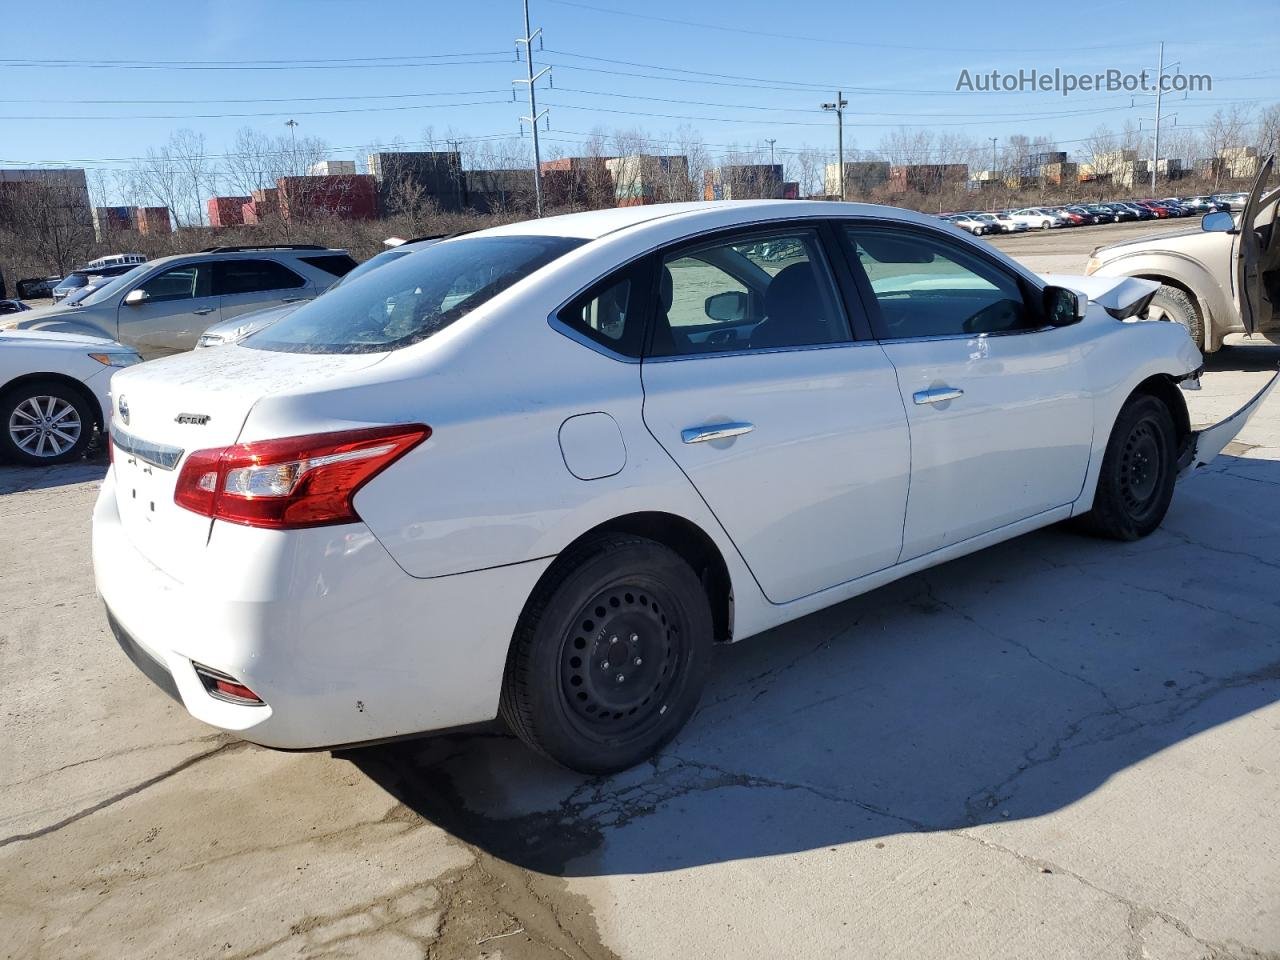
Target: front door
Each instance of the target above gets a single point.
(179, 304)
(1001, 422)
(791, 431)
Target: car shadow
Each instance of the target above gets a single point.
(21, 479)
(1007, 684)
(1244, 357)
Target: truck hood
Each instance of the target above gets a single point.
(1122, 297)
(1173, 240)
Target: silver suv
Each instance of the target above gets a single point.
(1220, 278)
(163, 306)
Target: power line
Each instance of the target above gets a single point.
(774, 35)
(269, 113)
(107, 65)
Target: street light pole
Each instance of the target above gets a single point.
(838, 106)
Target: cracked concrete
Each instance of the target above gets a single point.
(1055, 748)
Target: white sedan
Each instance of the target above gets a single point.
(539, 470)
(53, 393)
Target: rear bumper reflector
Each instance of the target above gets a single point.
(221, 686)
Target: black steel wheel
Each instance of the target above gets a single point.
(610, 656)
(1139, 468)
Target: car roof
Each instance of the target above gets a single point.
(242, 252)
(594, 224)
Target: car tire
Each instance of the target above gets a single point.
(44, 422)
(1139, 468)
(1175, 304)
(610, 656)
(1045, 225)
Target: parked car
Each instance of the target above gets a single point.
(1101, 212)
(970, 223)
(12, 306)
(95, 279)
(1038, 218)
(539, 470)
(1204, 204)
(237, 328)
(53, 393)
(1218, 279)
(1138, 210)
(163, 306)
(36, 288)
(1001, 223)
(1232, 201)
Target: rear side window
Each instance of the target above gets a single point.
(252, 276)
(610, 314)
(337, 264)
(409, 300)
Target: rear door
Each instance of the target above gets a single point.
(248, 284)
(178, 306)
(1256, 265)
(1001, 421)
(790, 429)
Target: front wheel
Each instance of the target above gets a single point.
(1045, 225)
(1173, 304)
(610, 656)
(1135, 485)
(44, 422)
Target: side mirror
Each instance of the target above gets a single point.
(1220, 222)
(1062, 307)
(726, 307)
(135, 297)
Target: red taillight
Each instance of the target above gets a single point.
(294, 482)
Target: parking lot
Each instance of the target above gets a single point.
(1057, 747)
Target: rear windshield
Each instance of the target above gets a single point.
(409, 300)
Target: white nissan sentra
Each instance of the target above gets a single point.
(537, 471)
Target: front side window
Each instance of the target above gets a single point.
(413, 298)
(926, 287)
(252, 276)
(179, 283)
(753, 293)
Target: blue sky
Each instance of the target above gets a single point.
(448, 67)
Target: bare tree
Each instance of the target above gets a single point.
(47, 216)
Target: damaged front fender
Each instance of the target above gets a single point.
(1203, 445)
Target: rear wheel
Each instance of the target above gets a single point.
(610, 656)
(44, 422)
(1045, 225)
(1135, 485)
(1174, 304)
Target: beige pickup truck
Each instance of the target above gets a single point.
(1220, 279)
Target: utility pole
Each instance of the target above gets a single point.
(293, 139)
(771, 142)
(1155, 150)
(838, 106)
(993, 154)
(534, 116)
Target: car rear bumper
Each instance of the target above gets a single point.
(339, 642)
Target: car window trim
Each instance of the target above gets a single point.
(745, 231)
(168, 269)
(873, 304)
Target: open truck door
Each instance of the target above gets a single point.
(1257, 265)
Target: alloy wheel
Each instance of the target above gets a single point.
(45, 426)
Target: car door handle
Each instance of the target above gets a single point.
(717, 431)
(202, 311)
(937, 395)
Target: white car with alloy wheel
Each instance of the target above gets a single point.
(53, 393)
(538, 471)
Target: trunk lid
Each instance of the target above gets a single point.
(163, 410)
